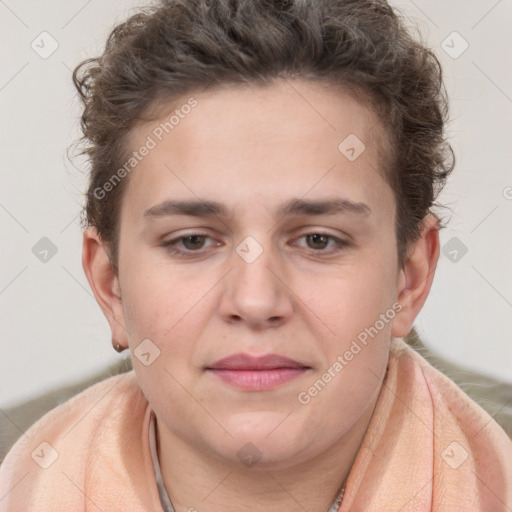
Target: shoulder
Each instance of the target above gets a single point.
(441, 388)
(91, 407)
(455, 414)
(63, 448)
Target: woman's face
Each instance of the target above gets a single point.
(264, 271)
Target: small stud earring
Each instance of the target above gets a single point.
(118, 348)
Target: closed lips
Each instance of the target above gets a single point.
(251, 363)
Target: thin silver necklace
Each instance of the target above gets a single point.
(162, 491)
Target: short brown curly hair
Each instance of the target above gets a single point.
(178, 47)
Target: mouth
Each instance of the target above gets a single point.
(257, 373)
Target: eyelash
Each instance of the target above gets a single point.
(170, 245)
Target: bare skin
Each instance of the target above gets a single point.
(305, 297)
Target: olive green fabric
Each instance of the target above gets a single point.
(493, 395)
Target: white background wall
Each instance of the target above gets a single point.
(52, 331)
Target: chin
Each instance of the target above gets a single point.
(265, 443)
(268, 456)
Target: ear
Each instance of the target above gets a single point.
(104, 284)
(416, 276)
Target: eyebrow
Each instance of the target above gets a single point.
(292, 207)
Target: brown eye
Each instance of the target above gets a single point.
(317, 241)
(193, 242)
(196, 244)
(322, 243)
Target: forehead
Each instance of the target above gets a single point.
(242, 143)
(285, 109)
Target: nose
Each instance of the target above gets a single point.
(255, 291)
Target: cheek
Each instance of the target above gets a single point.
(171, 310)
(158, 299)
(170, 319)
(156, 308)
(346, 302)
(355, 351)
(333, 405)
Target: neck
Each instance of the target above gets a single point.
(196, 481)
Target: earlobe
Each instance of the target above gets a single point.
(104, 284)
(416, 276)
